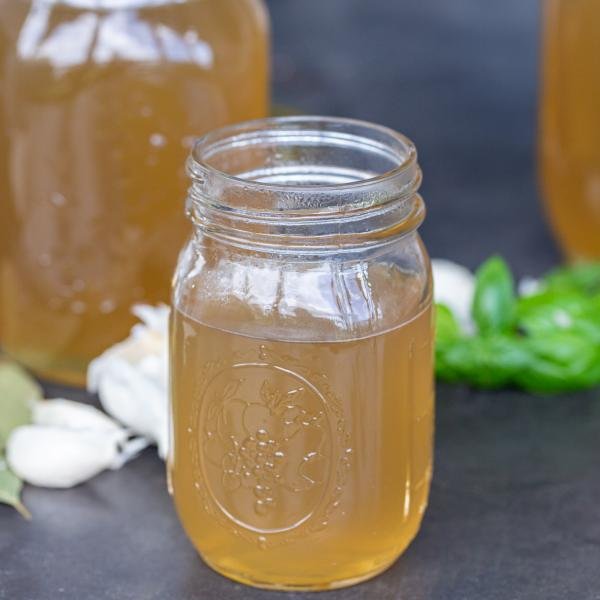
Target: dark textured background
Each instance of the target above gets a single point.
(515, 503)
(460, 78)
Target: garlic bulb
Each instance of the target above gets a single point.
(529, 286)
(73, 415)
(56, 457)
(454, 286)
(68, 443)
(131, 378)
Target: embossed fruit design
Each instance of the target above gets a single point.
(267, 444)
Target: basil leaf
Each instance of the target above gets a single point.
(583, 277)
(494, 301)
(10, 489)
(587, 329)
(591, 376)
(562, 348)
(561, 361)
(447, 328)
(487, 362)
(547, 342)
(551, 310)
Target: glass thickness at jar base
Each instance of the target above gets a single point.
(301, 465)
(367, 570)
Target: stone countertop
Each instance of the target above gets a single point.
(514, 511)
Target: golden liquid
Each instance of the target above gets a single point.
(570, 124)
(99, 109)
(301, 465)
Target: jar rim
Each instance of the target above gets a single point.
(346, 183)
(404, 149)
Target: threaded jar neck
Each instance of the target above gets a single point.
(296, 184)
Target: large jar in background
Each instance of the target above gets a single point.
(301, 353)
(570, 124)
(99, 103)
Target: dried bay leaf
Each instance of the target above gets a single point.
(18, 392)
(10, 489)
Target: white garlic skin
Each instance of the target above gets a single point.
(135, 401)
(529, 286)
(454, 286)
(60, 412)
(56, 457)
(131, 378)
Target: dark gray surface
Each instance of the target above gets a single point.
(515, 502)
(513, 515)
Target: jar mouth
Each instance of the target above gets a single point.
(318, 178)
(384, 153)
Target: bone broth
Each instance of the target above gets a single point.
(570, 124)
(301, 353)
(101, 101)
(310, 457)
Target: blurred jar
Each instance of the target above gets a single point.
(570, 124)
(100, 100)
(301, 353)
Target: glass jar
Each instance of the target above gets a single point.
(570, 124)
(301, 353)
(100, 100)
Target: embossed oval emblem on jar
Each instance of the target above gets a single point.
(271, 449)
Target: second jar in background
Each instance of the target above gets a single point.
(99, 103)
(570, 124)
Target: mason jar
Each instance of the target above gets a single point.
(569, 152)
(99, 103)
(302, 400)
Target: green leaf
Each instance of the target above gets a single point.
(554, 310)
(546, 343)
(582, 277)
(591, 376)
(487, 362)
(10, 489)
(563, 361)
(494, 301)
(18, 391)
(447, 328)
(563, 348)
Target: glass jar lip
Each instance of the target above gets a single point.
(396, 143)
(302, 183)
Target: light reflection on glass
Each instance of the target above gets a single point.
(104, 38)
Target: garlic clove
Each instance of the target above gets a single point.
(131, 378)
(154, 317)
(149, 338)
(55, 457)
(156, 369)
(454, 286)
(135, 401)
(529, 286)
(60, 412)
